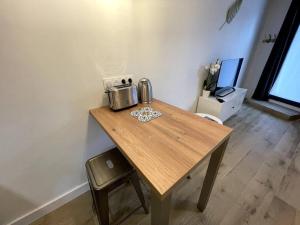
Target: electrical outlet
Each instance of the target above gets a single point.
(114, 81)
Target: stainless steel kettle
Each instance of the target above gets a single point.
(145, 91)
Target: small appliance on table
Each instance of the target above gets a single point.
(122, 96)
(145, 91)
(128, 95)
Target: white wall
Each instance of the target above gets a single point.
(271, 24)
(53, 55)
(175, 40)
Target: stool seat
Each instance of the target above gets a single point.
(107, 168)
(210, 117)
(106, 172)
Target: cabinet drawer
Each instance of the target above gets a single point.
(228, 109)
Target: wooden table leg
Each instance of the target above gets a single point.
(211, 174)
(160, 209)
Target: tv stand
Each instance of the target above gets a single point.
(224, 109)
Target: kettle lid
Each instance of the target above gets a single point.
(144, 80)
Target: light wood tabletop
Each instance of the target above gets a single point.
(165, 149)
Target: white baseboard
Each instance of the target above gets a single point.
(51, 205)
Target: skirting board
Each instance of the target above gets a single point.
(51, 205)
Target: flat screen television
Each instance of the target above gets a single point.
(225, 81)
(228, 75)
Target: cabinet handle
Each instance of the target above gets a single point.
(232, 107)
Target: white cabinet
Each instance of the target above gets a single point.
(231, 105)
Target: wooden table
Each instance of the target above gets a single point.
(165, 150)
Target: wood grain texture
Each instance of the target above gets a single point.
(258, 182)
(164, 150)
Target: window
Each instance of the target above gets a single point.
(287, 85)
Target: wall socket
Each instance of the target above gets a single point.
(114, 81)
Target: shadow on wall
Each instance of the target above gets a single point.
(202, 74)
(97, 141)
(9, 201)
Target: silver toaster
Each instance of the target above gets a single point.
(122, 96)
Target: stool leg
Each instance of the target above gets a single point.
(134, 178)
(102, 207)
(95, 209)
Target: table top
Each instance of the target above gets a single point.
(165, 149)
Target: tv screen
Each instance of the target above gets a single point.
(229, 72)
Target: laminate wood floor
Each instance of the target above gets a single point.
(258, 183)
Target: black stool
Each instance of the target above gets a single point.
(106, 172)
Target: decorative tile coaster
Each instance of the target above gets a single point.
(145, 114)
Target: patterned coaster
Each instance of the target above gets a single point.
(145, 114)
